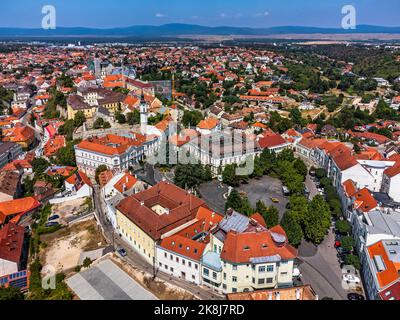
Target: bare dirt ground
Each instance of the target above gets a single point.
(68, 209)
(64, 247)
(312, 113)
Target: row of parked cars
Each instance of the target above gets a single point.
(53, 221)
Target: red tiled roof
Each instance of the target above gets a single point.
(390, 274)
(364, 200)
(111, 144)
(349, 187)
(393, 171)
(270, 141)
(184, 246)
(11, 242)
(259, 218)
(182, 206)
(208, 124)
(17, 208)
(127, 182)
(78, 180)
(241, 247)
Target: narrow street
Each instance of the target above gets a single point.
(320, 268)
(134, 259)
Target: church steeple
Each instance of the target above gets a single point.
(143, 114)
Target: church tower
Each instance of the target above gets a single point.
(143, 115)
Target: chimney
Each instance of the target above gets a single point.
(298, 296)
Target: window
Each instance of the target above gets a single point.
(172, 269)
(214, 275)
(165, 254)
(234, 279)
(160, 264)
(270, 280)
(283, 273)
(196, 266)
(177, 259)
(261, 281)
(206, 271)
(234, 267)
(171, 257)
(224, 286)
(261, 269)
(270, 268)
(254, 280)
(189, 264)
(234, 290)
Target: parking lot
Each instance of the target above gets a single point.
(263, 189)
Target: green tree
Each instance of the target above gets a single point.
(120, 118)
(270, 214)
(191, 118)
(353, 260)
(133, 117)
(229, 175)
(292, 228)
(189, 175)
(79, 119)
(300, 167)
(11, 294)
(343, 227)
(298, 208)
(66, 155)
(99, 170)
(87, 262)
(317, 220)
(107, 125)
(98, 123)
(347, 243)
(39, 165)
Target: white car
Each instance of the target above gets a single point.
(296, 273)
(349, 278)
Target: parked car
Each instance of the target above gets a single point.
(349, 278)
(355, 296)
(337, 244)
(275, 200)
(122, 252)
(55, 217)
(296, 273)
(285, 191)
(51, 224)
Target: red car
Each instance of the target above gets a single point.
(337, 244)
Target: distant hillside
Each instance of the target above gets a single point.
(176, 29)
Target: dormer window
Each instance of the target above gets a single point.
(246, 248)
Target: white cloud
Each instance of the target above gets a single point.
(262, 14)
(160, 15)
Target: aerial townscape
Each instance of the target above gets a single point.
(210, 168)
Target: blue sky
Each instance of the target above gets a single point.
(251, 13)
